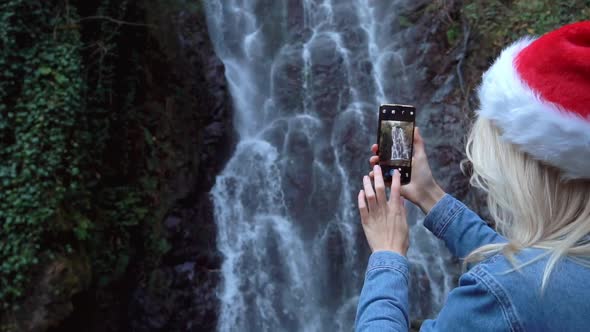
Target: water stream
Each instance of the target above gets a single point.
(306, 79)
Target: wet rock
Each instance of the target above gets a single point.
(172, 222)
(286, 80)
(51, 301)
(213, 132)
(180, 294)
(186, 269)
(445, 90)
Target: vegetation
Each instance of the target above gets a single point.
(501, 22)
(79, 169)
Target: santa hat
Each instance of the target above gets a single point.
(538, 94)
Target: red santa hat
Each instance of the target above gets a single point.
(538, 93)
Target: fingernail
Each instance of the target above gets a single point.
(376, 168)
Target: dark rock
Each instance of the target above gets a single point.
(186, 269)
(181, 293)
(51, 301)
(172, 222)
(213, 133)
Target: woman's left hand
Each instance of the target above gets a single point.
(384, 221)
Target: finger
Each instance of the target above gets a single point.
(417, 136)
(374, 148)
(370, 194)
(379, 186)
(374, 160)
(394, 195)
(363, 207)
(386, 180)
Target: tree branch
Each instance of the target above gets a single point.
(108, 18)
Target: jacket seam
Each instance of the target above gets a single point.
(449, 219)
(388, 267)
(499, 293)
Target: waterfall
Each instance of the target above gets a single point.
(306, 79)
(400, 147)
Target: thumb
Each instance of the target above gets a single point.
(418, 142)
(405, 190)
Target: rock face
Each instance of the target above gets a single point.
(185, 94)
(51, 301)
(180, 294)
(446, 105)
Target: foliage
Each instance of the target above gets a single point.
(75, 177)
(40, 98)
(453, 33)
(502, 22)
(498, 23)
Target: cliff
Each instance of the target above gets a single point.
(138, 120)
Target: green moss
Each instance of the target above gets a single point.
(78, 175)
(500, 22)
(40, 97)
(8, 327)
(453, 33)
(404, 21)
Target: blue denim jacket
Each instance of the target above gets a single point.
(491, 296)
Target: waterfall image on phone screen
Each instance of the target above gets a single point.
(399, 150)
(306, 79)
(395, 143)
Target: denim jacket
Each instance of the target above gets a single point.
(491, 296)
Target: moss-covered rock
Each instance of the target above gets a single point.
(50, 299)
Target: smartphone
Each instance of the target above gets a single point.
(396, 140)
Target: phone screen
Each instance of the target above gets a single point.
(396, 140)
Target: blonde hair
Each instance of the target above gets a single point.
(530, 203)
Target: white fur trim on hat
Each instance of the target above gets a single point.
(537, 127)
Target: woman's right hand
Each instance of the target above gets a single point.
(422, 189)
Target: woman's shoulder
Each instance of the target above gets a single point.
(516, 284)
(530, 263)
(524, 271)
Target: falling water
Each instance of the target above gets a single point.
(306, 79)
(399, 148)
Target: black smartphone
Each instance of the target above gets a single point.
(396, 140)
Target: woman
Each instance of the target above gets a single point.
(530, 152)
